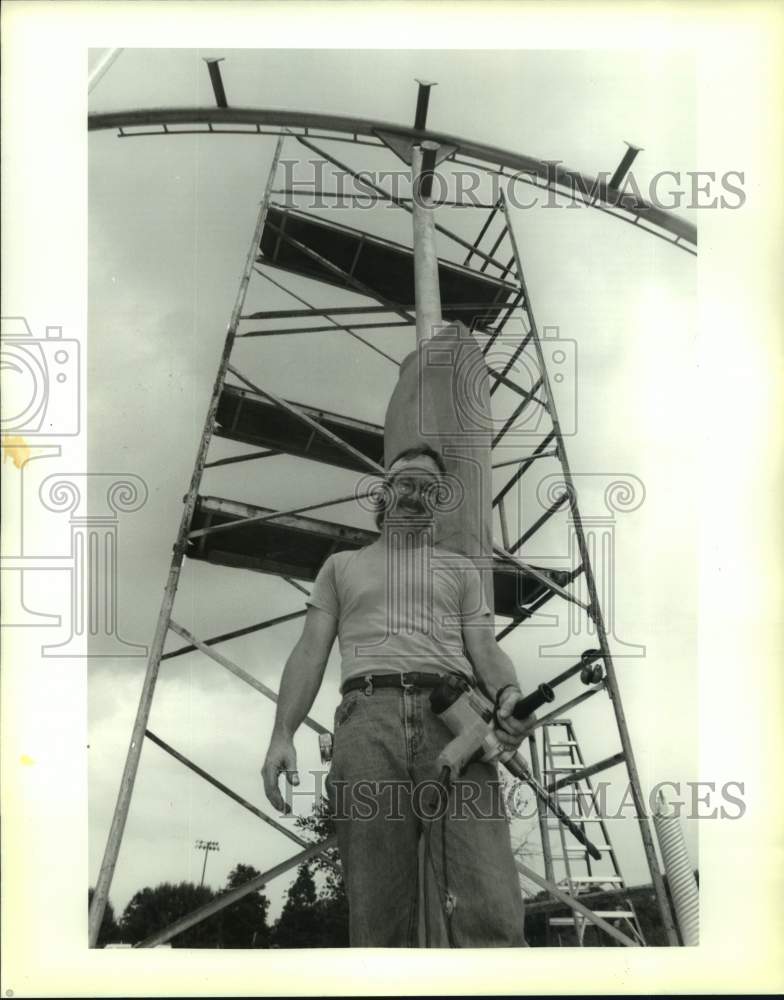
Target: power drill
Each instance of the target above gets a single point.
(471, 717)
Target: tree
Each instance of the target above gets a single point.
(244, 923)
(321, 826)
(332, 901)
(151, 910)
(110, 931)
(311, 918)
(297, 925)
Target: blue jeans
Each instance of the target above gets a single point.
(382, 790)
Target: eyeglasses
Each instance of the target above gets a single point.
(408, 485)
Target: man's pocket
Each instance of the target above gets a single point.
(346, 708)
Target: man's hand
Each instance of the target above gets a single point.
(511, 731)
(281, 756)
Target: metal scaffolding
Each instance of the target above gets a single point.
(485, 290)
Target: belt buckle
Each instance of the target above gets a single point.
(368, 678)
(404, 685)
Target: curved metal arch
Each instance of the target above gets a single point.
(554, 175)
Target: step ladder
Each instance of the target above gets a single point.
(573, 868)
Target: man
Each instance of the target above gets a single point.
(406, 613)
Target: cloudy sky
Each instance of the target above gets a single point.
(170, 220)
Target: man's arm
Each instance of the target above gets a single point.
(299, 686)
(496, 671)
(494, 667)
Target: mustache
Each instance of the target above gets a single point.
(413, 508)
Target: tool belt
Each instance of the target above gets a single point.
(413, 679)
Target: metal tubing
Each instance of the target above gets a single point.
(236, 633)
(247, 457)
(552, 174)
(518, 461)
(530, 398)
(519, 350)
(500, 324)
(508, 628)
(493, 249)
(584, 661)
(297, 586)
(257, 131)
(525, 464)
(313, 424)
(428, 166)
(230, 897)
(322, 329)
(112, 850)
(564, 897)
(602, 827)
(217, 82)
(548, 756)
(243, 522)
(551, 510)
(426, 284)
(541, 577)
(347, 310)
(401, 203)
(423, 99)
(508, 267)
(225, 789)
(353, 282)
(366, 196)
(530, 610)
(482, 231)
(586, 772)
(103, 65)
(518, 767)
(509, 384)
(596, 898)
(623, 167)
(537, 723)
(632, 205)
(243, 675)
(547, 849)
(596, 613)
(338, 326)
(504, 526)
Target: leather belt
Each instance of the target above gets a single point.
(368, 682)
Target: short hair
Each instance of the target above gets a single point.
(414, 452)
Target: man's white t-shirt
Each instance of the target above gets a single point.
(401, 608)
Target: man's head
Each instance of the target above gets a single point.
(413, 480)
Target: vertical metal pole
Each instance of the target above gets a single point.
(547, 848)
(544, 831)
(204, 866)
(102, 66)
(423, 99)
(114, 840)
(427, 297)
(596, 613)
(623, 167)
(426, 284)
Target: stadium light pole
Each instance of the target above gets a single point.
(206, 846)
